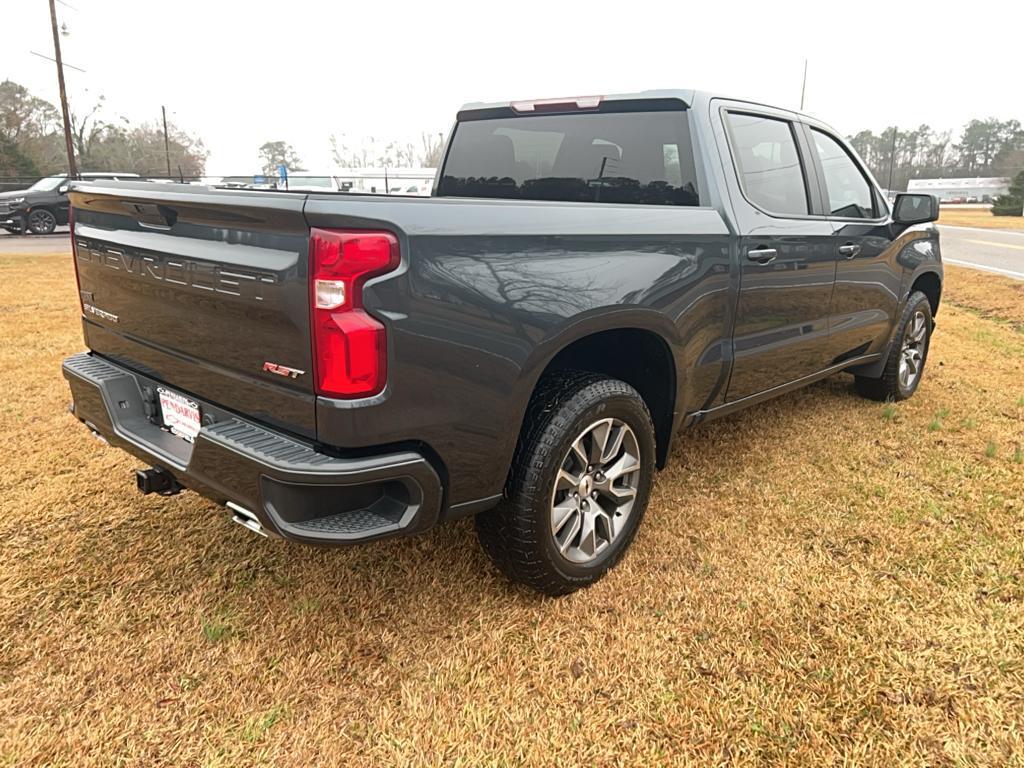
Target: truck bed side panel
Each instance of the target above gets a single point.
(492, 290)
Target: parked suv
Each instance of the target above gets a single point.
(44, 206)
(589, 277)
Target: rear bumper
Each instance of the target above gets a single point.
(295, 491)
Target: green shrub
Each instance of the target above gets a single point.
(1010, 204)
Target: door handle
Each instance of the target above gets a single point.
(762, 255)
(849, 250)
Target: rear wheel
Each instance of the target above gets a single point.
(42, 221)
(907, 356)
(580, 483)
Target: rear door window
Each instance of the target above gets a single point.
(768, 162)
(623, 157)
(849, 191)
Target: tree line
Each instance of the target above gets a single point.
(370, 152)
(32, 140)
(32, 144)
(990, 147)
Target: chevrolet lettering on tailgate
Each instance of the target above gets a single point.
(176, 270)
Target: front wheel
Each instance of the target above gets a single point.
(42, 221)
(18, 228)
(907, 356)
(579, 485)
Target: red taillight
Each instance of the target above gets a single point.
(349, 345)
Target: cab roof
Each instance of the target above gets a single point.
(688, 98)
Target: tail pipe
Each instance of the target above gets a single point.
(247, 519)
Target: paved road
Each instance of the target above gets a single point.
(35, 243)
(991, 250)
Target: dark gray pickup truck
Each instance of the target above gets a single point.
(590, 276)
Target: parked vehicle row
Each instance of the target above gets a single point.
(357, 183)
(43, 207)
(590, 277)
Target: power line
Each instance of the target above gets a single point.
(50, 58)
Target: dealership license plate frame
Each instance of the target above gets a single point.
(180, 414)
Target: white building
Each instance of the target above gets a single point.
(977, 190)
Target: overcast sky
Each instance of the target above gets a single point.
(241, 73)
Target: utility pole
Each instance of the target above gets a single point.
(803, 88)
(167, 148)
(892, 159)
(72, 168)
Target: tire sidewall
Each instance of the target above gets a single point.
(918, 303)
(632, 412)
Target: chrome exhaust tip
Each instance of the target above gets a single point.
(247, 519)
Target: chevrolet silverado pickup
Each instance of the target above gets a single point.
(590, 277)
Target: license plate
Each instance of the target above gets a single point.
(181, 415)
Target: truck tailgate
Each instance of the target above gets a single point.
(201, 289)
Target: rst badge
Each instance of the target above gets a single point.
(282, 370)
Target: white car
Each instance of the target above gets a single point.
(305, 183)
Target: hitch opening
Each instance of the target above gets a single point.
(156, 480)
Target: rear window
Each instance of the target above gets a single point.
(624, 157)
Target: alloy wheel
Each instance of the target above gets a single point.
(42, 222)
(913, 349)
(595, 490)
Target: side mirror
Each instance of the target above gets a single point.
(912, 208)
(63, 189)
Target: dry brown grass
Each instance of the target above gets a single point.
(821, 580)
(1000, 299)
(978, 217)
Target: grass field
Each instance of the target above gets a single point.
(820, 580)
(978, 217)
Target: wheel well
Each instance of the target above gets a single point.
(930, 285)
(641, 359)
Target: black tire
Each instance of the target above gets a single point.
(41, 221)
(517, 535)
(890, 386)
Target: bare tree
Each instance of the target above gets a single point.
(86, 128)
(433, 148)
